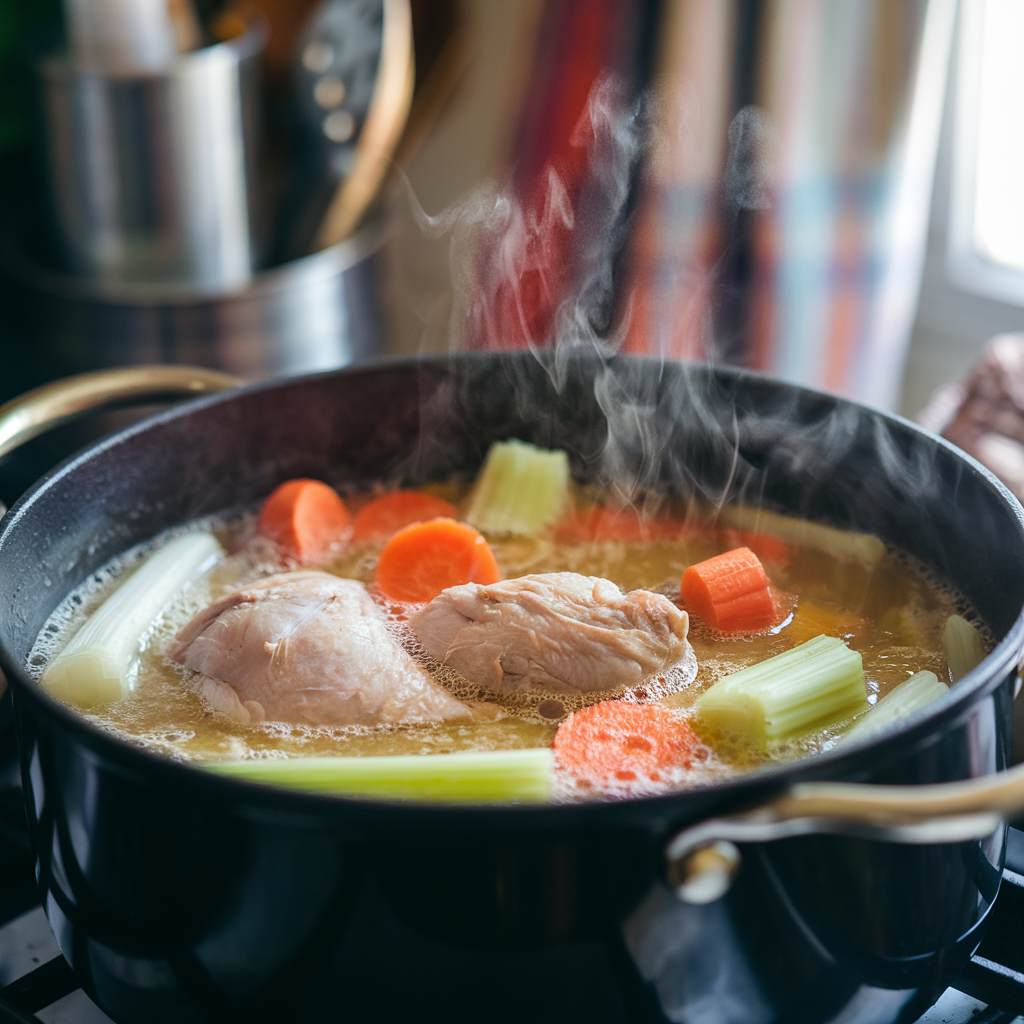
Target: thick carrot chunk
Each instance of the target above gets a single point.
(620, 742)
(305, 518)
(730, 592)
(387, 514)
(423, 559)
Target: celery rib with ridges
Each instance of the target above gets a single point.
(494, 776)
(964, 646)
(817, 682)
(99, 661)
(897, 705)
(520, 490)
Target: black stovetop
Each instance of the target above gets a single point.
(38, 987)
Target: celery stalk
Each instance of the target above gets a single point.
(494, 776)
(964, 648)
(816, 682)
(865, 548)
(897, 705)
(520, 490)
(98, 664)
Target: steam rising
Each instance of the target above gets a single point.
(510, 266)
(510, 255)
(538, 271)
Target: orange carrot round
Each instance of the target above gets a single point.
(304, 518)
(730, 592)
(387, 514)
(616, 741)
(423, 559)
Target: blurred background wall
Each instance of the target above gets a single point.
(745, 181)
(774, 199)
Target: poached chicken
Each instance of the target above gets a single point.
(557, 631)
(310, 648)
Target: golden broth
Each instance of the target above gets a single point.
(893, 614)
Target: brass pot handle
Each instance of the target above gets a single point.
(36, 411)
(702, 860)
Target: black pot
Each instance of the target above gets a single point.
(177, 896)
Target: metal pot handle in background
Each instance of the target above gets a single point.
(702, 860)
(36, 411)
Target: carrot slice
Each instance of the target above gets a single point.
(730, 592)
(304, 518)
(616, 741)
(423, 559)
(387, 514)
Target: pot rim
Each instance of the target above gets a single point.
(857, 760)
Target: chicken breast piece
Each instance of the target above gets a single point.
(310, 648)
(558, 631)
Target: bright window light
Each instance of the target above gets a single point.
(998, 193)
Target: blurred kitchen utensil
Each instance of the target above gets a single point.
(437, 78)
(382, 130)
(153, 173)
(354, 80)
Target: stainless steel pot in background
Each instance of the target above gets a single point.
(315, 313)
(152, 179)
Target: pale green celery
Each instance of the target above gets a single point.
(520, 490)
(864, 548)
(964, 648)
(814, 683)
(897, 706)
(494, 776)
(99, 662)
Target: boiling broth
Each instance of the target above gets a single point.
(896, 613)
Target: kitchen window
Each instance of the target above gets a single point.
(973, 286)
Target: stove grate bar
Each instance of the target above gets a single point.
(41, 987)
(12, 1015)
(994, 984)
